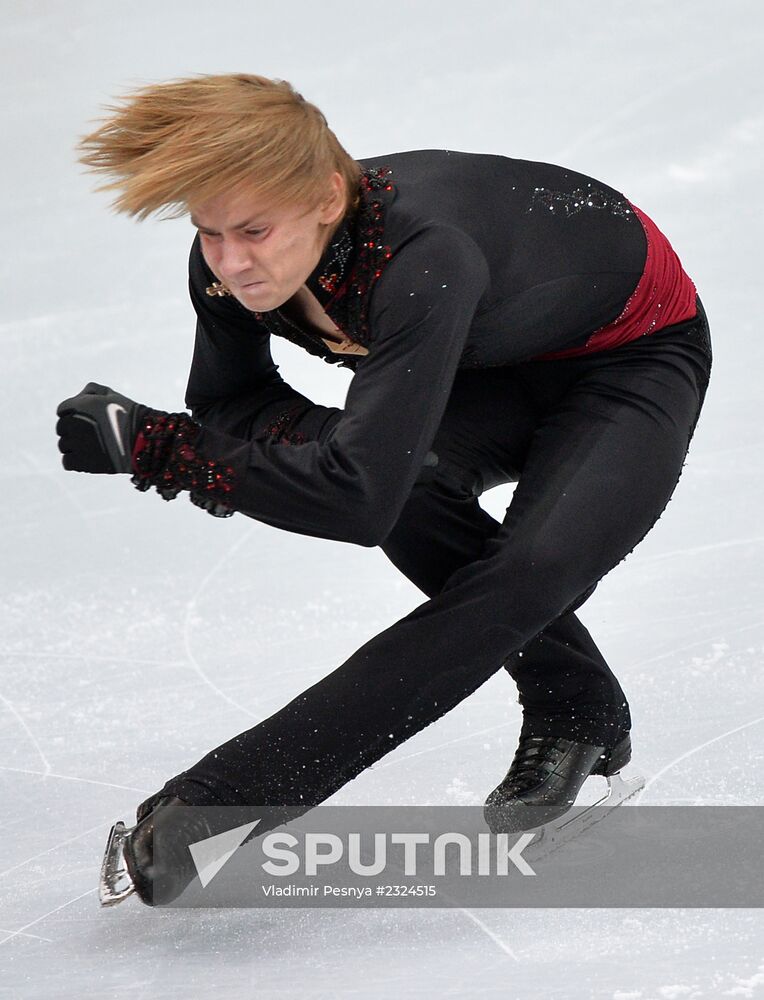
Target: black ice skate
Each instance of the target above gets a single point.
(129, 865)
(544, 780)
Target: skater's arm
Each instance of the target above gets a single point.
(234, 385)
(352, 485)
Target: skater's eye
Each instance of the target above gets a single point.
(256, 233)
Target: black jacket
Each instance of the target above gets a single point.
(452, 260)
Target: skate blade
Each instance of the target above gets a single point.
(553, 835)
(115, 883)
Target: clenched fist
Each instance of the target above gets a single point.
(97, 430)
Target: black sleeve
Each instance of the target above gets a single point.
(234, 385)
(352, 485)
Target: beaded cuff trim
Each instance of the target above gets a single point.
(165, 457)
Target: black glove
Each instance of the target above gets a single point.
(97, 430)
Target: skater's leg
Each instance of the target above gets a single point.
(565, 686)
(600, 471)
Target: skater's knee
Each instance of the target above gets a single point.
(546, 577)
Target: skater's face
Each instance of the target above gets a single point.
(263, 254)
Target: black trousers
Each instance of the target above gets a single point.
(596, 445)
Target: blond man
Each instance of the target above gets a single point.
(505, 321)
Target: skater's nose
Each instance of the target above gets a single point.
(234, 258)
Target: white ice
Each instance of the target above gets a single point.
(137, 635)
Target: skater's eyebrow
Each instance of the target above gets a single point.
(240, 225)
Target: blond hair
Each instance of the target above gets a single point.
(168, 144)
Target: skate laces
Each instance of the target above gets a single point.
(535, 758)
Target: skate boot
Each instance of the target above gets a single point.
(129, 864)
(547, 773)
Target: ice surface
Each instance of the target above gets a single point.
(137, 635)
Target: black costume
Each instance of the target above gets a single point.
(458, 272)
